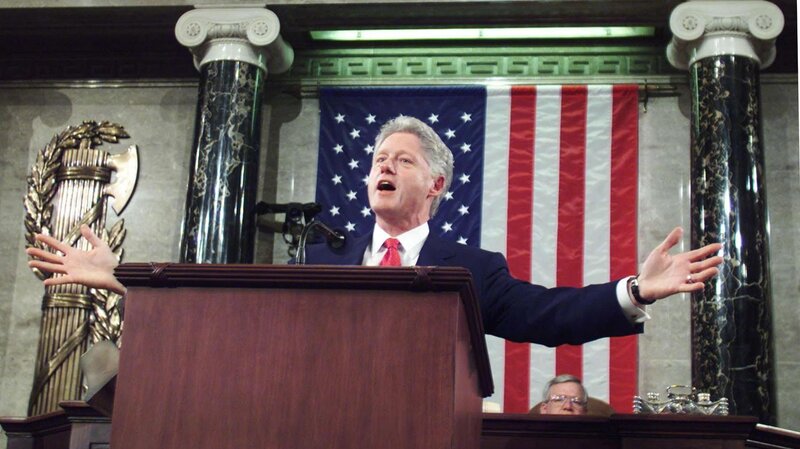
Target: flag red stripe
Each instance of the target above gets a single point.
(571, 206)
(519, 234)
(623, 352)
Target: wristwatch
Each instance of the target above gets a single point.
(634, 283)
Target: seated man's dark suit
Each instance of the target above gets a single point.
(511, 309)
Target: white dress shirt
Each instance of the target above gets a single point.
(410, 246)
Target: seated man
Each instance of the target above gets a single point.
(564, 395)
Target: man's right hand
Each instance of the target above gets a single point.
(93, 268)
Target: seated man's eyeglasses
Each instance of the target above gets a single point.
(564, 395)
(561, 400)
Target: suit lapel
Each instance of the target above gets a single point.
(434, 252)
(355, 250)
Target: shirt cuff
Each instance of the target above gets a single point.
(633, 313)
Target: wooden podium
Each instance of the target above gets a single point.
(232, 356)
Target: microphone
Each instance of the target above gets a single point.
(292, 210)
(335, 239)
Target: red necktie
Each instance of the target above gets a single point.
(392, 256)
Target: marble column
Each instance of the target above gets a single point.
(234, 49)
(724, 44)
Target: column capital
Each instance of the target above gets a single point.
(703, 28)
(248, 33)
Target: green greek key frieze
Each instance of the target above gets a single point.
(473, 64)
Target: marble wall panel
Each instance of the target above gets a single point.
(293, 145)
(782, 159)
(160, 121)
(664, 194)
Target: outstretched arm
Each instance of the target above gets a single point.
(663, 274)
(94, 268)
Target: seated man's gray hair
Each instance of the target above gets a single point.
(561, 379)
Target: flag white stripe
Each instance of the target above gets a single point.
(547, 143)
(597, 232)
(495, 169)
(495, 206)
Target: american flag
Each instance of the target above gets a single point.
(547, 175)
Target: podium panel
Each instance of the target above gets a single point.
(227, 363)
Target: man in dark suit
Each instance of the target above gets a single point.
(411, 171)
(510, 308)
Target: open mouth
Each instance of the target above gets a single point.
(386, 185)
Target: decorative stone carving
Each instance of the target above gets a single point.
(68, 187)
(222, 33)
(703, 28)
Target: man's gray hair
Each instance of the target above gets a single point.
(562, 379)
(438, 156)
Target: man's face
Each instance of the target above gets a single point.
(401, 187)
(565, 391)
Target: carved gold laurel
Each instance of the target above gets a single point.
(106, 318)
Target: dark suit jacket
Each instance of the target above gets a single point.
(511, 309)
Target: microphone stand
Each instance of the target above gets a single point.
(334, 238)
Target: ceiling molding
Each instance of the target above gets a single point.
(134, 42)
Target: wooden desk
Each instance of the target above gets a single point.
(76, 426)
(79, 426)
(510, 431)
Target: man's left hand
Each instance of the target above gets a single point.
(663, 274)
